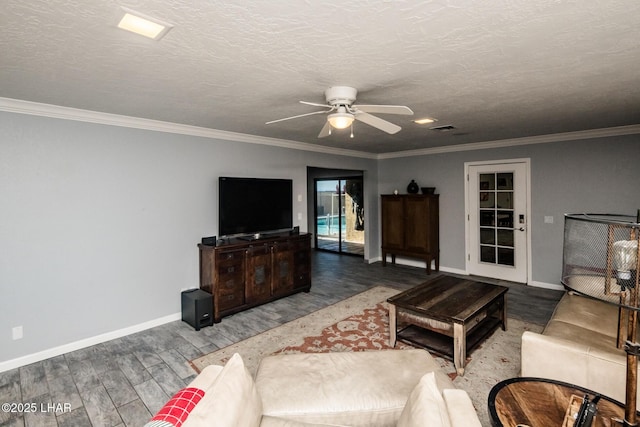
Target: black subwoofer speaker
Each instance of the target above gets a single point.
(197, 308)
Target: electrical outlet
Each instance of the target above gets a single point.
(17, 333)
(548, 219)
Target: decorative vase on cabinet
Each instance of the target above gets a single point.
(413, 188)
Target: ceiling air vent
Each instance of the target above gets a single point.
(444, 128)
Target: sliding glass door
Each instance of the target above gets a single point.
(339, 225)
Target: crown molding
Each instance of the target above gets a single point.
(67, 113)
(539, 139)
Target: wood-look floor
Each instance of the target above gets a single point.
(124, 381)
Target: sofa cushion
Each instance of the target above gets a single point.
(232, 400)
(460, 408)
(357, 389)
(425, 406)
(268, 421)
(582, 335)
(587, 313)
(575, 363)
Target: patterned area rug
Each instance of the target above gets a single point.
(293, 333)
(368, 330)
(361, 323)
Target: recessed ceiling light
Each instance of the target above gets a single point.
(425, 120)
(143, 25)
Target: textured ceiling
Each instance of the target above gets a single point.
(495, 70)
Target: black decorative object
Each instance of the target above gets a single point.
(428, 190)
(413, 188)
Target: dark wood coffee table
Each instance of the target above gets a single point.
(538, 402)
(447, 315)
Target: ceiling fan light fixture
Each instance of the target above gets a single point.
(340, 120)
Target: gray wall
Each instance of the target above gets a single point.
(99, 224)
(595, 175)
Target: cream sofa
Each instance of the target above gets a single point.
(402, 388)
(578, 346)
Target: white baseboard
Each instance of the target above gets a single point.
(419, 264)
(553, 286)
(87, 342)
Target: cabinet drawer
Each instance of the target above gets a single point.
(231, 282)
(229, 257)
(258, 250)
(282, 246)
(230, 269)
(231, 300)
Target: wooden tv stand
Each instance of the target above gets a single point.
(241, 274)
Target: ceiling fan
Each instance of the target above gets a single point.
(342, 112)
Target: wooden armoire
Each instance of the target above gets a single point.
(410, 227)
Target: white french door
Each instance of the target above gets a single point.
(497, 206)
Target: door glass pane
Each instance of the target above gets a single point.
(505, 181)
(505, 238)
(505, 256)
(487, 218)
(487, 236)
(487, 181)
(353, 216)
(505, 219)
(488, 254)
(487, 200)
(340, 215)
(505, 200)
(496, 204)
(327, 210)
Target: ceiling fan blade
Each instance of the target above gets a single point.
(377, 122)
(385, 109)
(315, 104)
(325, 131)
(299, 115)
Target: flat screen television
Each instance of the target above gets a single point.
(254, 205)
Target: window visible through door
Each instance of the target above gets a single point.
(339, 219)
(496, 218)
